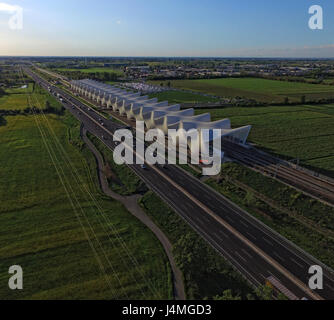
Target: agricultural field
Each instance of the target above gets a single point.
(41, 232)
(262, 90)
(305, 132)
(182, 97)
(16, 99)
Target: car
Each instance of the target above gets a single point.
(143, 166)
(102, 124)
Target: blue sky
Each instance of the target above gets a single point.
(258, 28)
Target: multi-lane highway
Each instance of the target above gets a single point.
(251, 247)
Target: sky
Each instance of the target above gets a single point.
(200, 28)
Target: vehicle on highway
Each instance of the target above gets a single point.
(143, 167)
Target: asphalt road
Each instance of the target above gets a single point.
(252, 248)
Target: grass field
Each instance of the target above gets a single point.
(40, 231)
(17, 98)
(259, 89)
(304, 132)
(182, 97)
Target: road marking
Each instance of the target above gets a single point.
(297, 263)
(278, 256)
(247, 254)
(250, 235)
(329, 287)
(217, 235)
(228, 219)
(240, 256)
(224, 234)
(244, 223)
(266, 240)
(264, 277)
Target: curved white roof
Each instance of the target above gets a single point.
(156, 114)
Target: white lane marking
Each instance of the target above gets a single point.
(266, 240)
(216, 235)
(224, 234)
(240, 256)
(247, 254)
(250, 235)
(261, 275)
(329, 287)
(278, 256)
(228, 219)
(244, 223)
(297, 263)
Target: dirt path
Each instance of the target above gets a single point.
(131, 204)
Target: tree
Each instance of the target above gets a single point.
(2, 92)
(227, 295)
(303, 99)
(264, 293)
(286, 100)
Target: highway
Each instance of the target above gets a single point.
(256, 251)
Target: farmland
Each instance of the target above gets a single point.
(17, 98)
(42, 232)
(182, 97)
(262, 90)
(305, 132)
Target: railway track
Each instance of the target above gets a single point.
(313, 186)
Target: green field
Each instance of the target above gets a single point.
(304, 132)
(259, 89)
(181, 97)
(17, 98)
(40, 230)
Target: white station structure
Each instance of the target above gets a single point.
(155, 114)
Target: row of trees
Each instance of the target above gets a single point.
(99, 76)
